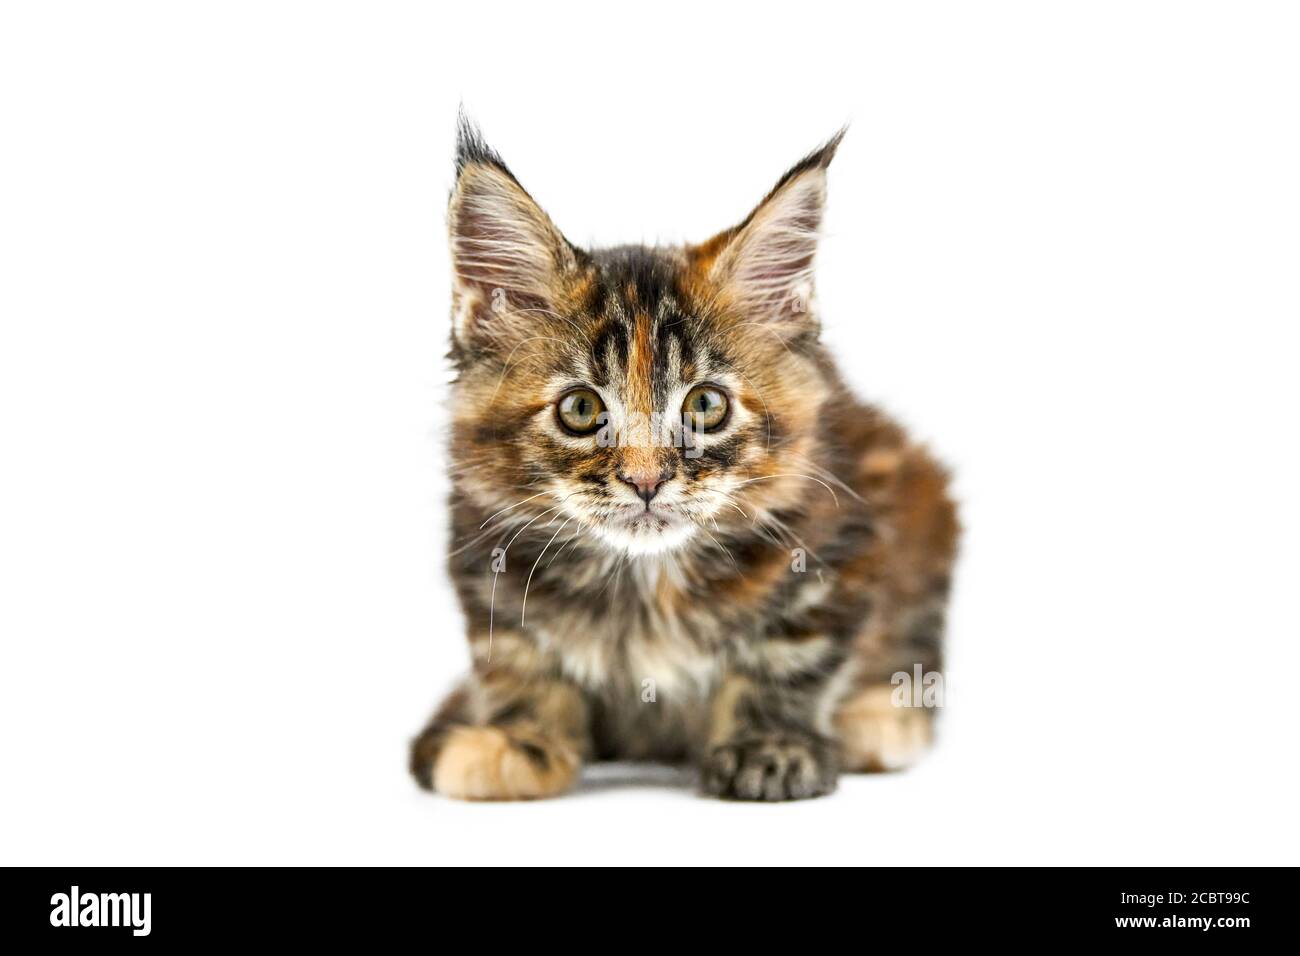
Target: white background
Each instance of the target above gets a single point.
(1062, 245)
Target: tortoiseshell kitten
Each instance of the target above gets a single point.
(676, 534)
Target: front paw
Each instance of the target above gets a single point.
(497, 763)
(771, 767)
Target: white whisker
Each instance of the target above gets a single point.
(827, 473)
(513, 507)
(496, 573)
(730, 556)
(523, 607)
(829, 489)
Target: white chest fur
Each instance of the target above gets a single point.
(630, 643)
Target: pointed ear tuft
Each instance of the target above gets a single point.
(508, 259)
(819, 158)
(471, 148)
(765, 265)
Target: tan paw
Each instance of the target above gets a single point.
(489, 763)
(876, 736)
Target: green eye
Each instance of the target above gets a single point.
(705, 407)
(579, 410)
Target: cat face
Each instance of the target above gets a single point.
(648, 396)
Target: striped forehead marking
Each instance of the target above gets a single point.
(639, 390)
(643, 343)
(643, 356)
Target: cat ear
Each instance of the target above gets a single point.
(764, 266)
(508, 259)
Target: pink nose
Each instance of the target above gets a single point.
(646, 483)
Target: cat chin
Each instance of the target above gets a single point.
(642, 542)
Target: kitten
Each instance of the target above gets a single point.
(676, 534)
